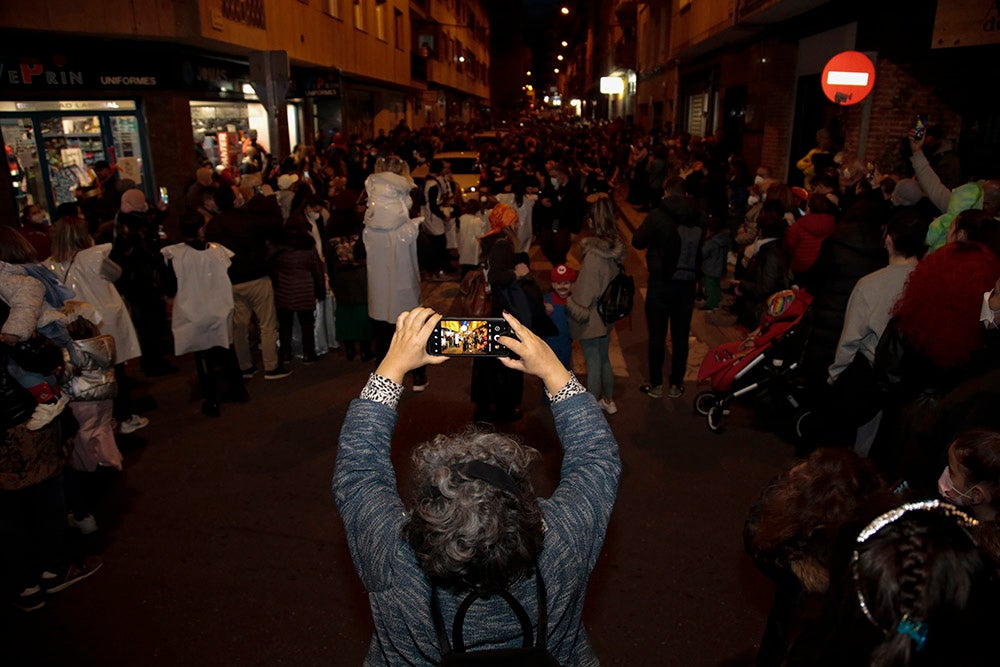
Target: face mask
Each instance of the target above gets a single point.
(554, 182)
(948, 491)
(758, 180)
(752, 200)
(312, 216)
(39, 219)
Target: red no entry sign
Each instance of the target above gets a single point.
(848, 77)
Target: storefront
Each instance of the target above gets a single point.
(52, 147)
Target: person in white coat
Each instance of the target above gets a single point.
(523, 203)
(202, 320)
(88, 270)
(390, 238)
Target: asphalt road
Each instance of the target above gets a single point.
(222, 546)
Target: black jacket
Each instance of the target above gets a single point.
(246, 231)
(658, 236)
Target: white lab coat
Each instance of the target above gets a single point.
(203, 308)
(82, 274)
(390, 238)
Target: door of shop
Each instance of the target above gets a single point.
(52, 147)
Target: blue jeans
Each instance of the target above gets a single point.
(600, 376)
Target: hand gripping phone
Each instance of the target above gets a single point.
(469, 337)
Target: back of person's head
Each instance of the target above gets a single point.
(818, 203)
(602, 213)
(907, 229)
(938, 313)
(801, 513)
(14, 249)
(394, 164)
(771, 220)
(822, 181)
(923, 590)
(69, 236)
(674, 186)
(437, 166)
(978, 226)
(225, 198)
(781, 193)
(191, 224)
(474, 521)
(69, 209)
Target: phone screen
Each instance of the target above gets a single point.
(467, 337)
(920, 128)
(163, 196)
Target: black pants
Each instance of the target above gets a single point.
(307, 321)
(555, 244)
(218, 364)
(669, 305)
(122, 406)
(32, 524)
(496, 388)
(149, 314)
(439, 258)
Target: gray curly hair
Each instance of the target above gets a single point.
(466, 532)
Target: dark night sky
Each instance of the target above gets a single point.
(536, 23)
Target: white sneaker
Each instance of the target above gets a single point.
(45, 412)
(86, 525)
(608, 405)
(132, 424)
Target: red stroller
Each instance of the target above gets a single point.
(767, 356)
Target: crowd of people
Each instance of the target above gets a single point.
(261, 258)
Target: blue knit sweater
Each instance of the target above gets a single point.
(576, 519)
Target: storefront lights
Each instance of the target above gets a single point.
(612, 85)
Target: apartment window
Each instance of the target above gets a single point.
(359, 14)
(333, 8)
(380, 19)
(400, 29)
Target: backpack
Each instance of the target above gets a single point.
(616, 301)
(530, 654)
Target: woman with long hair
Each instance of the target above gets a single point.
(603, 253)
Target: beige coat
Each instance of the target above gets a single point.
(600, 265)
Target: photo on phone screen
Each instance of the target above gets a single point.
(920, 128)
(467, 337)
(163, 196)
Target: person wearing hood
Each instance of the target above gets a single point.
(671, 235)
(136, 249)
(603, 253)
(390, 238)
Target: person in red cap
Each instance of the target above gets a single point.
(562, 278)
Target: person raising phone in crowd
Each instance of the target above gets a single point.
(474, 522)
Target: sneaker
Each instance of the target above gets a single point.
(651, 390)
(277, 374)
(675, 391)
(69, 575)
(86, 525)
(310, 359)
(30, 599)
(132, 424)
(248, 373)
(420, 387)
(608, 405)
(45, 412)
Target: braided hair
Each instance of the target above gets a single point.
(923, 581)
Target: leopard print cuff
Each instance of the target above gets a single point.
(571, 388)
(382, 390)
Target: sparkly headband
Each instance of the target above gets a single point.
(488, 473)
(914, 629)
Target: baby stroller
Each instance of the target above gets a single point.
(765, 358)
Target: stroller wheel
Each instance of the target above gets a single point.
(715, 417)
(703, 402)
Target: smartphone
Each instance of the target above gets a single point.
(920, 128)
(469, 337)
(163, 196)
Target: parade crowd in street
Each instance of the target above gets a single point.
(279, 261)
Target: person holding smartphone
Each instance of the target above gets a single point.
(474, 522)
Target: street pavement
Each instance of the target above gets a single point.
(222, 545)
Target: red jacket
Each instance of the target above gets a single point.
(804, 239)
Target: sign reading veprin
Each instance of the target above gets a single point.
(848, 78)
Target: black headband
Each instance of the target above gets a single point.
(488, 473)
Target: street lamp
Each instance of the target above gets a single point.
(559, 57)
(565, 43)
(565, 11)
(528, 73)
(556, 70)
